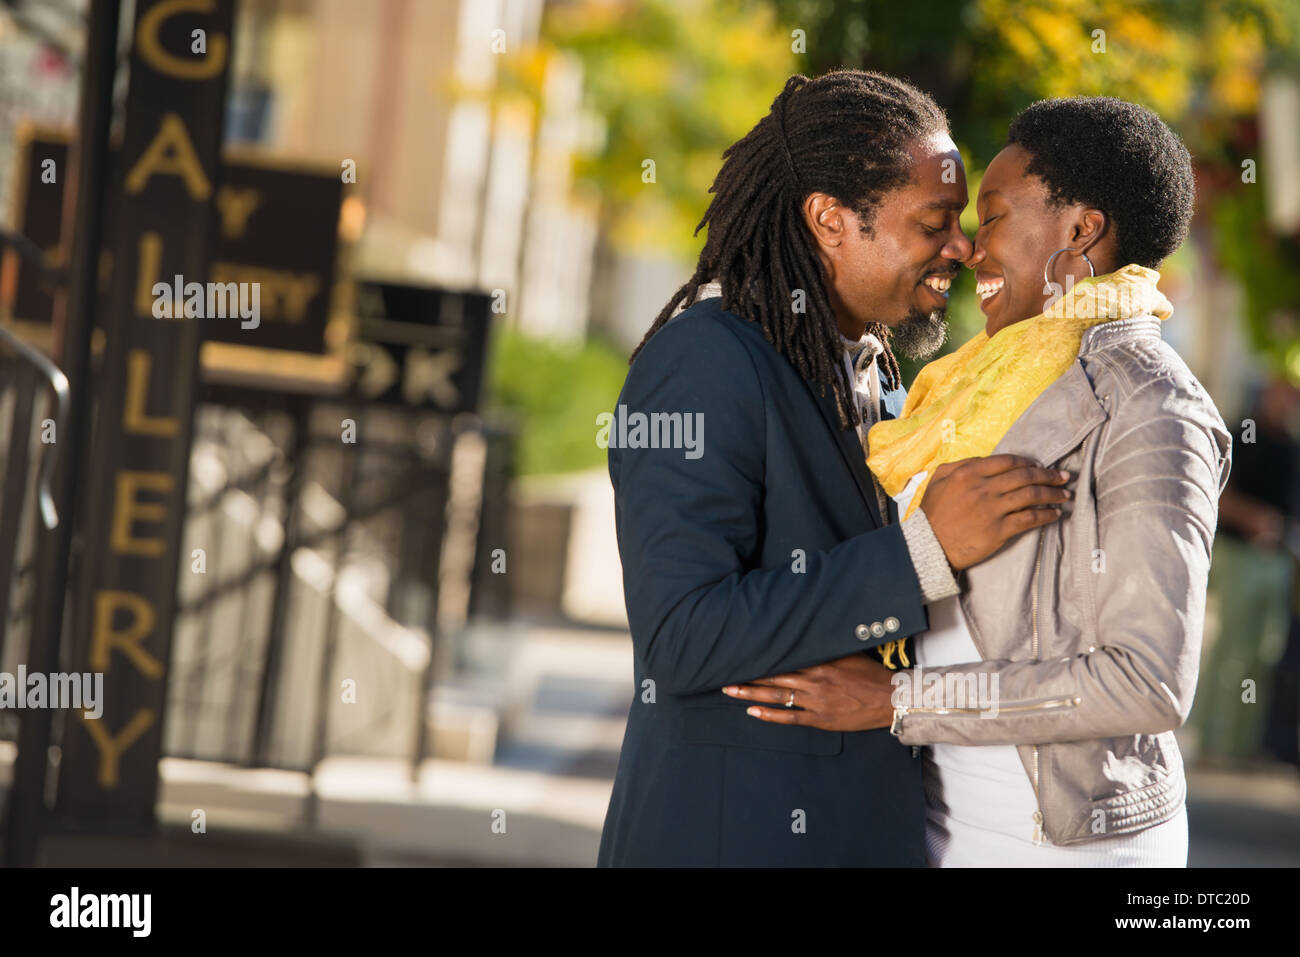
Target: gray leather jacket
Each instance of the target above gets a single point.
(1091, 626)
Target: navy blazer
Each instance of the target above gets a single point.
(759, 552)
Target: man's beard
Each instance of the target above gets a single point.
(920, 335)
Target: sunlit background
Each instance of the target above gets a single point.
(556, 156)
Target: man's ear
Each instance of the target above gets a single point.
(824, 217)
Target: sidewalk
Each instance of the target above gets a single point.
(1244, 818)
(542, 802)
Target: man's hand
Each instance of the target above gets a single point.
(975, 505)
(848, 694)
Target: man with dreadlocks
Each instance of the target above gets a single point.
(767, 547)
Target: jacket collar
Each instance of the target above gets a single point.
(1105, 333)
(1057, 420)
(1068, 409)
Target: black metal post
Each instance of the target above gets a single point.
(24, 384)
(235, 716)
(349, 475)
(260, 754)
(74, 320)
(433, 524)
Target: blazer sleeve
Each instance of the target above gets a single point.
(689, 526)
(1157, 486)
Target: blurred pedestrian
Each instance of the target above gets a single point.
(1251, 578)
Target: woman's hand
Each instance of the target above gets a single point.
(848, 694)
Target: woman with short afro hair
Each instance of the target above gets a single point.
(1088, 632)
(1118, 157)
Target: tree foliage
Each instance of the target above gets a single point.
(676, 81)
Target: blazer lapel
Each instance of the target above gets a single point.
(895, 397)
(851, 449)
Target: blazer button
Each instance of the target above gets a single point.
(863, 632)
(877, 629)
(1091, 649)
(891, 624)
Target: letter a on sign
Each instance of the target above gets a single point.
(171, 152)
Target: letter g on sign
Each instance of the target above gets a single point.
(183, 68)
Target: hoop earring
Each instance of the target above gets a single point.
(1048, 268)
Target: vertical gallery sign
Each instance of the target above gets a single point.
(127, 574)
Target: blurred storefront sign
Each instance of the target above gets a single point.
(276, 225)
(420, 346)
(125, 595)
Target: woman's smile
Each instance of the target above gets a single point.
(987, 288)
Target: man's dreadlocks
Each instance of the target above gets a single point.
(847, 134)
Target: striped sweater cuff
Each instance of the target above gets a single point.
(932, 568)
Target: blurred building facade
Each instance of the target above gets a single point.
(461, 187)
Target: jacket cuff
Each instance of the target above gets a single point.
(932, 569)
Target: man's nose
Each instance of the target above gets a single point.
(959, 247)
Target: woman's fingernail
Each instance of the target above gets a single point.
(752, 712)
(1065, 476)
(729, 689)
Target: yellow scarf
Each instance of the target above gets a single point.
(962, 404)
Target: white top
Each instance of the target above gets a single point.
(980, 800)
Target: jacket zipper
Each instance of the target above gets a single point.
(1038, 834)
(1041, 706)
(1038, 810)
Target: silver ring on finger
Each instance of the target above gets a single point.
(790, 701)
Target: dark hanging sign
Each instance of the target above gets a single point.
(275, 231)
(41, 168)
(126, 590)
(421, 346)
